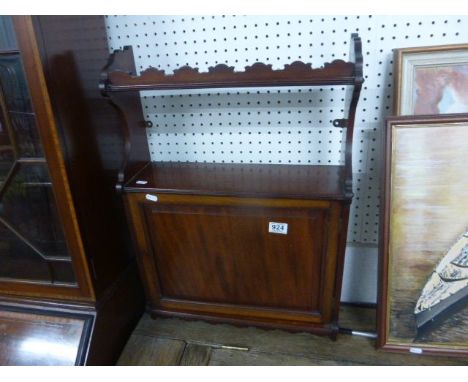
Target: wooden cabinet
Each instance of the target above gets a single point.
(42, 252)
(215, 258)
(248, 244)
(225, 255)
(62, 227)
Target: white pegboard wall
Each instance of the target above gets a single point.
(287, 125)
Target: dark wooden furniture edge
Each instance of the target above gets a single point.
(117, 316)
(111, 319)
(197, 178)
(51, 144)
(352, 95)
(289, 319)
(55, 309)
(128, 106)
(259, 74)
(424, 350)
(120, 85)
(114, 316)
(330, 330)
(383, 261)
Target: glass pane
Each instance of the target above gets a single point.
(13, 82)
(7, 155)
(18, 261)
(28, 143)
(7, 34)
(29, 206)
(32, 241)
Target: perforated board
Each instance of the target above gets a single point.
(284, 125)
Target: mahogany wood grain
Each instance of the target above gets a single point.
(111, 320)
(297, 73)
(253, 180)
(117, 313)
(214, 257)
(135, 152)
(231, 246)
(35, 338)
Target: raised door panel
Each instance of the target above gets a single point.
(218, 259)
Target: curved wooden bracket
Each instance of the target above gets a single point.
(121, 85)
(352, 98)
(135, 152)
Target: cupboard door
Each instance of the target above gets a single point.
(266, 261)
(225, 254)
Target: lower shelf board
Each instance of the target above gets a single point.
(330, 330)
(247, 180)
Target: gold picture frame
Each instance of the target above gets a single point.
(431, 80)
(423, 259)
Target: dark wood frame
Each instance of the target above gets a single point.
(398, 57)
(384, 256)
(53, 152)
(88, 317)
(120, 83)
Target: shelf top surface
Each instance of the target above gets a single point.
(245, 180)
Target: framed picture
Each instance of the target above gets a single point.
(423, 260)
(431, 80)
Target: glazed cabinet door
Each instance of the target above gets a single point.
(34, 250)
